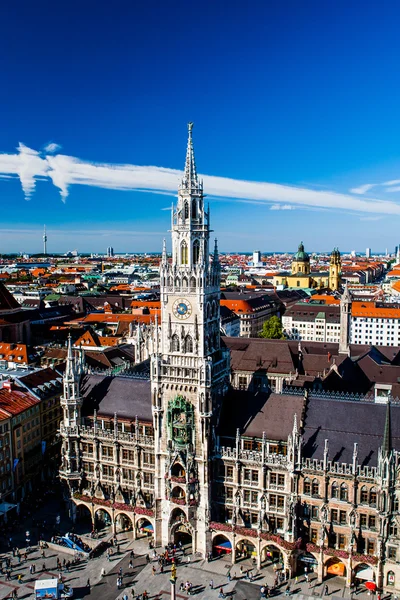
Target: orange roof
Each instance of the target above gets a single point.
(16, 401)
(237, 305)
(329, 300)
(12, 352)
(396, 286)
(369, 309)
(144, 304)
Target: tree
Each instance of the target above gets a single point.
(272, 329)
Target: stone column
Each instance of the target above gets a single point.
(233, 553)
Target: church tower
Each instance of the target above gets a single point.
(189, 370)
(71, 405)
(345, 315)
(334, 270)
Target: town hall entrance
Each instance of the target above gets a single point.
(181, 534)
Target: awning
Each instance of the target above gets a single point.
(5, 507)
(224, 546)
(148, 527)
(365, 573)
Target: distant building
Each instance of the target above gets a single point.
(110, 251)
(368, 253)
(312, 322)
(301, 275)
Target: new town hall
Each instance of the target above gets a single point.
(237, 446)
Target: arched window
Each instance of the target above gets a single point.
(193, 282)
(315, 487)
(196, 251)
(391, 578)
(186, 211)
(188, 344)
(372, 497)
(177, 283)
(184, 254)
(194, 209)
(364, 495)
(175, 343)
(334, 490)
(184, 282)
(344, 492)
(307, 487)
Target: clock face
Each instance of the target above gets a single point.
(182, 308)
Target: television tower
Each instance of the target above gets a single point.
(44, 241)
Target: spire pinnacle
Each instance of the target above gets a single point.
(190, 176)
(387, 434)
(69, 370)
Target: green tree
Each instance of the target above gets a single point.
(272, 329)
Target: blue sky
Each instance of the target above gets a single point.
(300, 96)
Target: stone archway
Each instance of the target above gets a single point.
(102, 518)
(144, 528)
(84, 516)
(221, 545)
(334, 567)
(123, 522)
(272, 555)
(245, 549)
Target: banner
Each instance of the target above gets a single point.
(43, 447)
(16, 461)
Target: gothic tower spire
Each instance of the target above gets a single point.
(387, 434)
(190, 179)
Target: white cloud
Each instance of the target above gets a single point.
(362, 188)
(65, 171)
(52, 148)
(281, 207)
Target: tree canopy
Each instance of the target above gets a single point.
(272, 329)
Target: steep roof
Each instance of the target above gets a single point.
(255, 413)
(7, 300)
(125, 396)
(343, 423)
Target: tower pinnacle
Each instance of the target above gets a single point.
(190, 179)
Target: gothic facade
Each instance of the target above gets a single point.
(307, 479)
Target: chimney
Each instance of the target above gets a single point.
(9, 385)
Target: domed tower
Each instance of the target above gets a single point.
(334, 270)
(301, 261)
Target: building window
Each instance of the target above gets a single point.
(334, 515)
(184, 254)
(334, 490)
(342, 517)
(363, 520)
(392, 552)
(175, 343)
(372, 497)
(370, 546)
(342, 541)
(307, 487)
(364, 495)
(315, 487)
(188, 344)
(196, 251)
(344, 492)
(371, 522)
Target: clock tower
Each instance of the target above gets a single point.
(189, 370)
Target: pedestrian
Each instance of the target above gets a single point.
(19, 578)
(120, 571)
(188, 560)
(133, 593)
(153, 570)
(147, 558)
(221, 593)
(211, 584)
(88, 585)
(287, 591)
(103, 572)
(130, 564)
(132, 554)
(229, 576)
(326, 591)
(43, 566)
(125, 596)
